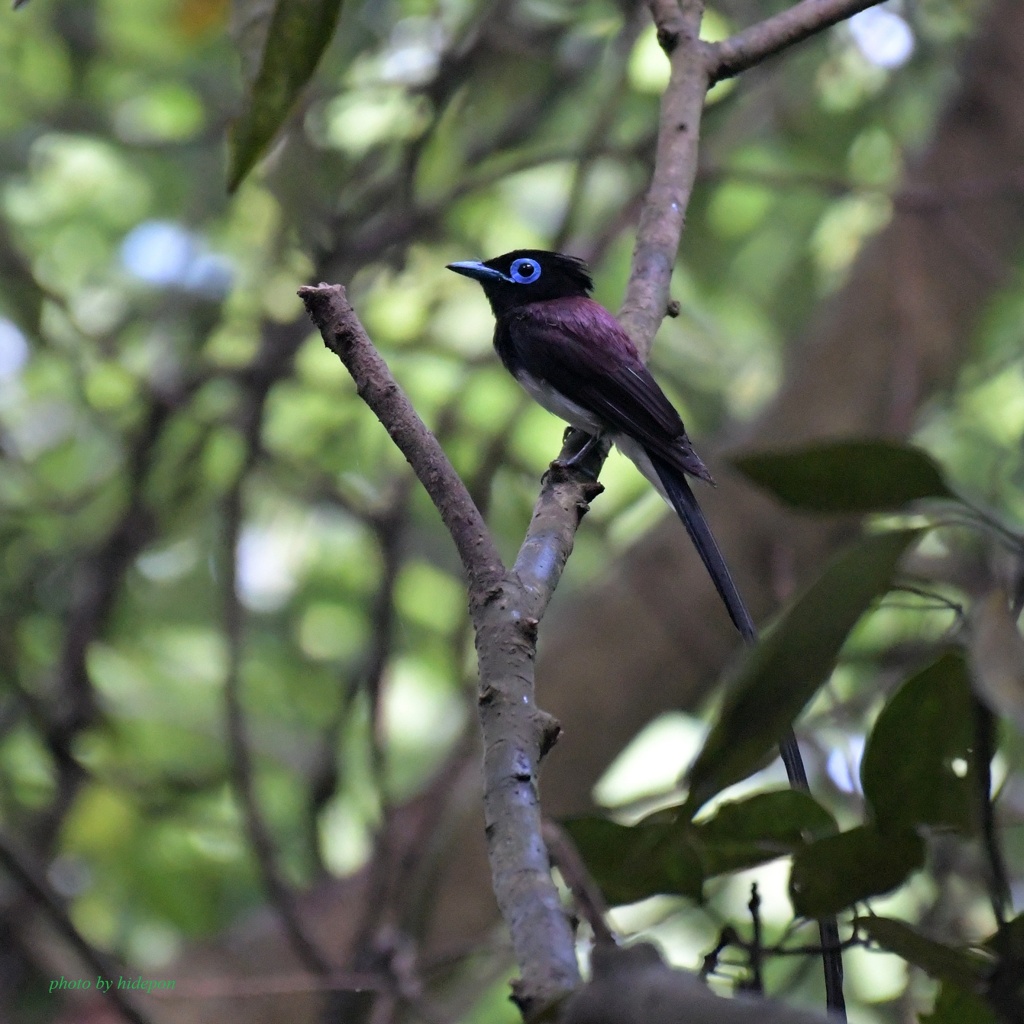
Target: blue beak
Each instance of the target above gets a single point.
(477, 270)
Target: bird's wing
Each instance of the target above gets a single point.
(580, 349)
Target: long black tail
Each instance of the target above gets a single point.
(683, 500)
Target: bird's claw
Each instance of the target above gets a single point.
(577, 457)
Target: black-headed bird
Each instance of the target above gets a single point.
(575, 359)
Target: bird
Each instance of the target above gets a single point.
(576, 360)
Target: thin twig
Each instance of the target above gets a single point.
(756, 950)
(773, 35)
(985, 725)
(271, 361)
(242, 771)
(19, 867)
(815, 948)
(388, 525)
(585, 891)
(727, 937)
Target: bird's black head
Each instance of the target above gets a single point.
(527, 275)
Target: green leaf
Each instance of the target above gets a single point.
(963, 967)
(955, 1006)
(277, 69)
(630, 863)
(832, 874)
(744, 833)
(656, 857)
(847, 476)
(919, 766)
(791, 661)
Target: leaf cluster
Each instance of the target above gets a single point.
(926, 766)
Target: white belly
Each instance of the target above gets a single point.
(555, 402)
(546, 396)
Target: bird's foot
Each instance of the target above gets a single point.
(574, 460)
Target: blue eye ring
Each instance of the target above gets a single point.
(524, 270)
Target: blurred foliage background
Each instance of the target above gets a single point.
(228, 621)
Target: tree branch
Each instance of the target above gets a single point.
(505, 611)
(773, 35)
(663, 213)
(344, 335)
